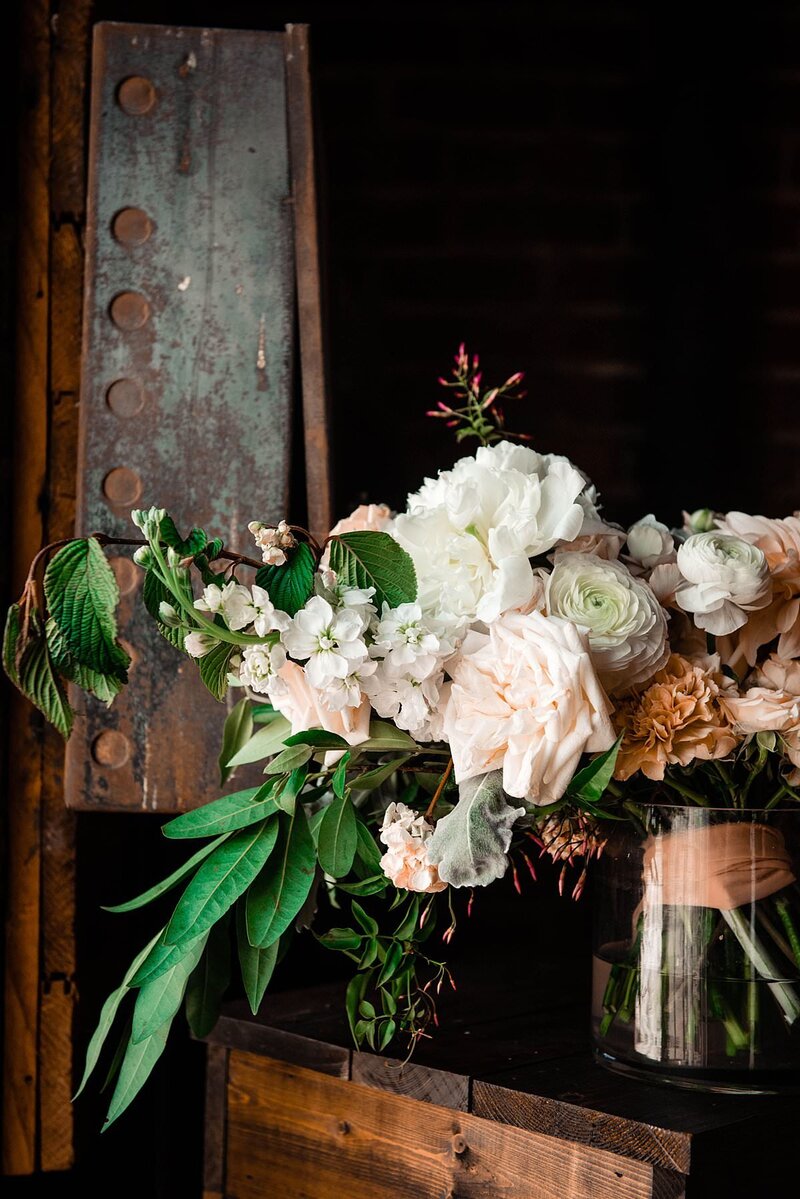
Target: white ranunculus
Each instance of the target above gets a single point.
(724, 577)
(472, 530)
(650, 543)
(625, 623)
(525, 699)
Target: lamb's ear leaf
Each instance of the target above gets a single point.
(470, 844)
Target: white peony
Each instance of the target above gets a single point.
(526, 699)
(724, 577)
(472, 530)
(625, 623)
(650, 543)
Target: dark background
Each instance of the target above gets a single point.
(606, 196)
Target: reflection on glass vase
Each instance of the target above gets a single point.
(697, 948)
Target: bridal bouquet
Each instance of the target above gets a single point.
(436, 697)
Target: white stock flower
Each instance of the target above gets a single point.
(525, 699)
(650, 543)
(472, 530)
(273, 541)
(252, 606)
(406, 835)
(725, 577)
(413, 704)
(331, 642)
(626, 624)
(407, 643)
(199, 644)
(260, 665)
(214, 597)
(342, 595)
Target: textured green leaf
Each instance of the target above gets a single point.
(137, 1065)
(209, 981)
(590, 783)
(279, 893)
(338, 838)
(470, 844)
(82, 597)
(376, 560)
(256, 964)
(289, 759)
(290, 585)
(168, 883)
(38, 680)
(187, 547)
(11, 643)
(263, 744)
(159, 999)
(222, 878)
(105, 686)
(215, 667)
(154, 593)
(107, 1015)
(225, 815)
(237, 732)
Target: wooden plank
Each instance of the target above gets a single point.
(204, 426)
(215, 1122)
(286, 1046)
(440, 1087)
(23, 858)
(309, 286)
(297, 1133)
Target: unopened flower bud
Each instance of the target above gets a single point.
(144, 557)
(173, 557)
(168, 615)
(701, 520)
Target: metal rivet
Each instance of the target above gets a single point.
(126, 573)
(132, 226)
(111, 749)
(129, 310)
(125, 397)
(136, 95)
(122, 486)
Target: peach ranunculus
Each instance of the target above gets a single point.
(406, 835)
(679, 717)
(292, 695)
(780, 542)
(526, 699)
(771, 704)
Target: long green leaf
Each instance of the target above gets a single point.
(209, 981)
(82, 596)
(368, 559)
(263, 744)
(107, 1015)
(289, 759)
(137, 1065)
(338, 837)
(590, 783)
(279, 893)
(237, 732)
(168, 883)
(224, 815)
(290, 585)
(386, 736)
(161, 958)
(221, 879)
(379, 774)
(159, 999)
(256, 964)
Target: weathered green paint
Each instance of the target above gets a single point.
(209, 165)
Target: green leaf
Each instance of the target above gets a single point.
(387, 1033)
(162, 957)
(168, 883)
(286, 796)
(408, 924)
(289, 759)
(223, 877)
(367, 923)
(314, 821)
(367, 851)
(374, 778)
(290, 585)
(187, 547)
(385, 736)
(394, 957)
(256, 964)
(214, 668)
(209, 981)
(341, 938)
(108, 1013)
(356, 989)
(263, 744)
(160, 997)
(589, 784)
(38, 681)
(338, 838)
(279, 893)
(137, 1065)
(376, 560)
(237, 732)
(318, 738)
(82, 597)
(154, 593)
(339, 781)
(225, 815)
(105, 686)
(11, 636)
(367, 1009)
(365, 886)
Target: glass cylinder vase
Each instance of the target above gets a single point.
(697, 948)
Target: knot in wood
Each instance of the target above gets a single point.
(459, 1144)
(344, 1127)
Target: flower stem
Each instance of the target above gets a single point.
(431, 808)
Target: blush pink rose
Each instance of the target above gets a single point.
(526, 699)
(292, 695)
(366, 518)
(771, 704)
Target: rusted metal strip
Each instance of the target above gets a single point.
(309, 291)
(188, 338)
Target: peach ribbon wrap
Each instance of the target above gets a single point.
(722, 866)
